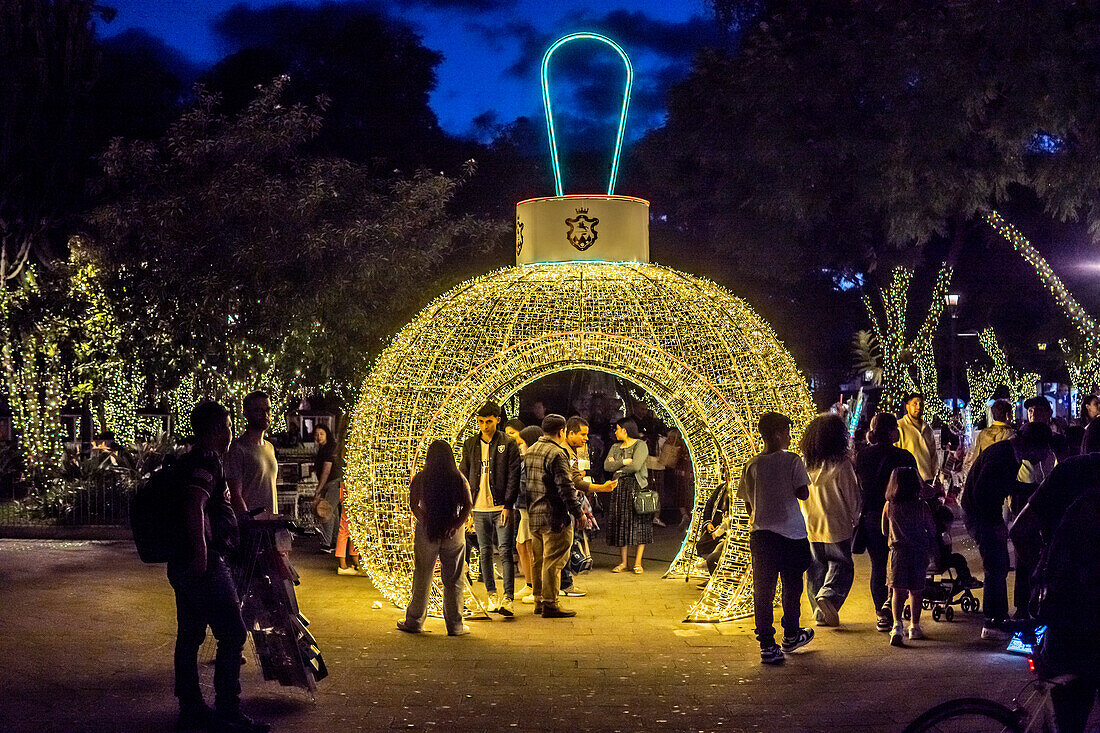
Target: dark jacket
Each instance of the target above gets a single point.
(874, 465)
(504, 463)
(991, 480)
(552, 499)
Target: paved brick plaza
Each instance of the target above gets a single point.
(86, 634)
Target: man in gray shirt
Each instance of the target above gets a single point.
(250, 466)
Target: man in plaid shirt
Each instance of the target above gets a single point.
(552, 505)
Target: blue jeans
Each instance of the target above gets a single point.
(210, 600)
(831, 573)
(488, 528)
(329, 528)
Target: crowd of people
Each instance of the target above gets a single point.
(525, 491)
(808, 512)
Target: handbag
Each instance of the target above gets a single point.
(646, 501)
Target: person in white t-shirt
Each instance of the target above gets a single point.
(771, 486)
(251, 467)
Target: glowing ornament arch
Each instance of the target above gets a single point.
(701, 352)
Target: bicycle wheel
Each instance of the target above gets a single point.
(969, 715)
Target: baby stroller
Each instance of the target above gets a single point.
(948, 582)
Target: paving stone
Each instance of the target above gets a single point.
(86, 635)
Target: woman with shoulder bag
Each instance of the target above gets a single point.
(626, 526)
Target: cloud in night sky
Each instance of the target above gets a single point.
(491, 49)
(589, 76)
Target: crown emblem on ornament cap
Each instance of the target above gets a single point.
(583, 227)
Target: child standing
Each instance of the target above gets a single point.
(908, 526)
(771, 485)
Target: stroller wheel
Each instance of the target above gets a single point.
(907, 613)
(967, 604)
(949, 613)
(925, 603)
(937, 613)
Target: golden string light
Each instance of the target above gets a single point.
(1082, 360)
(908, 365)
(702, 353)
(984, 381)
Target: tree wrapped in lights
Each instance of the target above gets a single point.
(35, 377)
(908, 365)
(702, 353)
(1083, 354)
(984, 381)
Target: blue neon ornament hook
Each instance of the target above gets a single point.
(550, 115)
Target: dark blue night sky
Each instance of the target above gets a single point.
(491, 48)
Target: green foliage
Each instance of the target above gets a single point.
(848, 131)
(867, 356)
(235, 257)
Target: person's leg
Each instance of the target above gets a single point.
(1027, 559)
(504, 547)
(765, 576)
(537, 562)
(622, 556)
(224, 611)
(486, 531)
(898, 595)
(878, 551)
(992, 544)
(840, 572)
(914, 607)
(566, 576)
(190, 634)
(638, 556)
(425, 553)
(452, 561)
(557, 546)
(815, 576)
(523, 549)
(794, 558)
(331, 493)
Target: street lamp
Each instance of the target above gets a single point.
(951, 300)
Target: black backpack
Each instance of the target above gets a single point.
(154, 514)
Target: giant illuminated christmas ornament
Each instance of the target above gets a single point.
(583, 295)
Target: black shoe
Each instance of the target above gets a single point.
(799, 640)
(772, 655)
(195, 717)
(553, 610)
(538, 608)
(237, 722)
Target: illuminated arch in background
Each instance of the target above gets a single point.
(700, 351)
(545, 76)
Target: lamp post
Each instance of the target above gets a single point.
(951, 300)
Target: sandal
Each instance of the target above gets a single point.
(637, 569)
(619, 568)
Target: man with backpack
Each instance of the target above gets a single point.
(997, 475)
(207, 532)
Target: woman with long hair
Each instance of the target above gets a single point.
(626, 461)
(832, 512)
(440, 500)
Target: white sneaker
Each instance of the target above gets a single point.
(994, 634)
(461, 632)
(529, 600)
(505, 608)
(347, 571)
(525, 592)
(915, 632)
